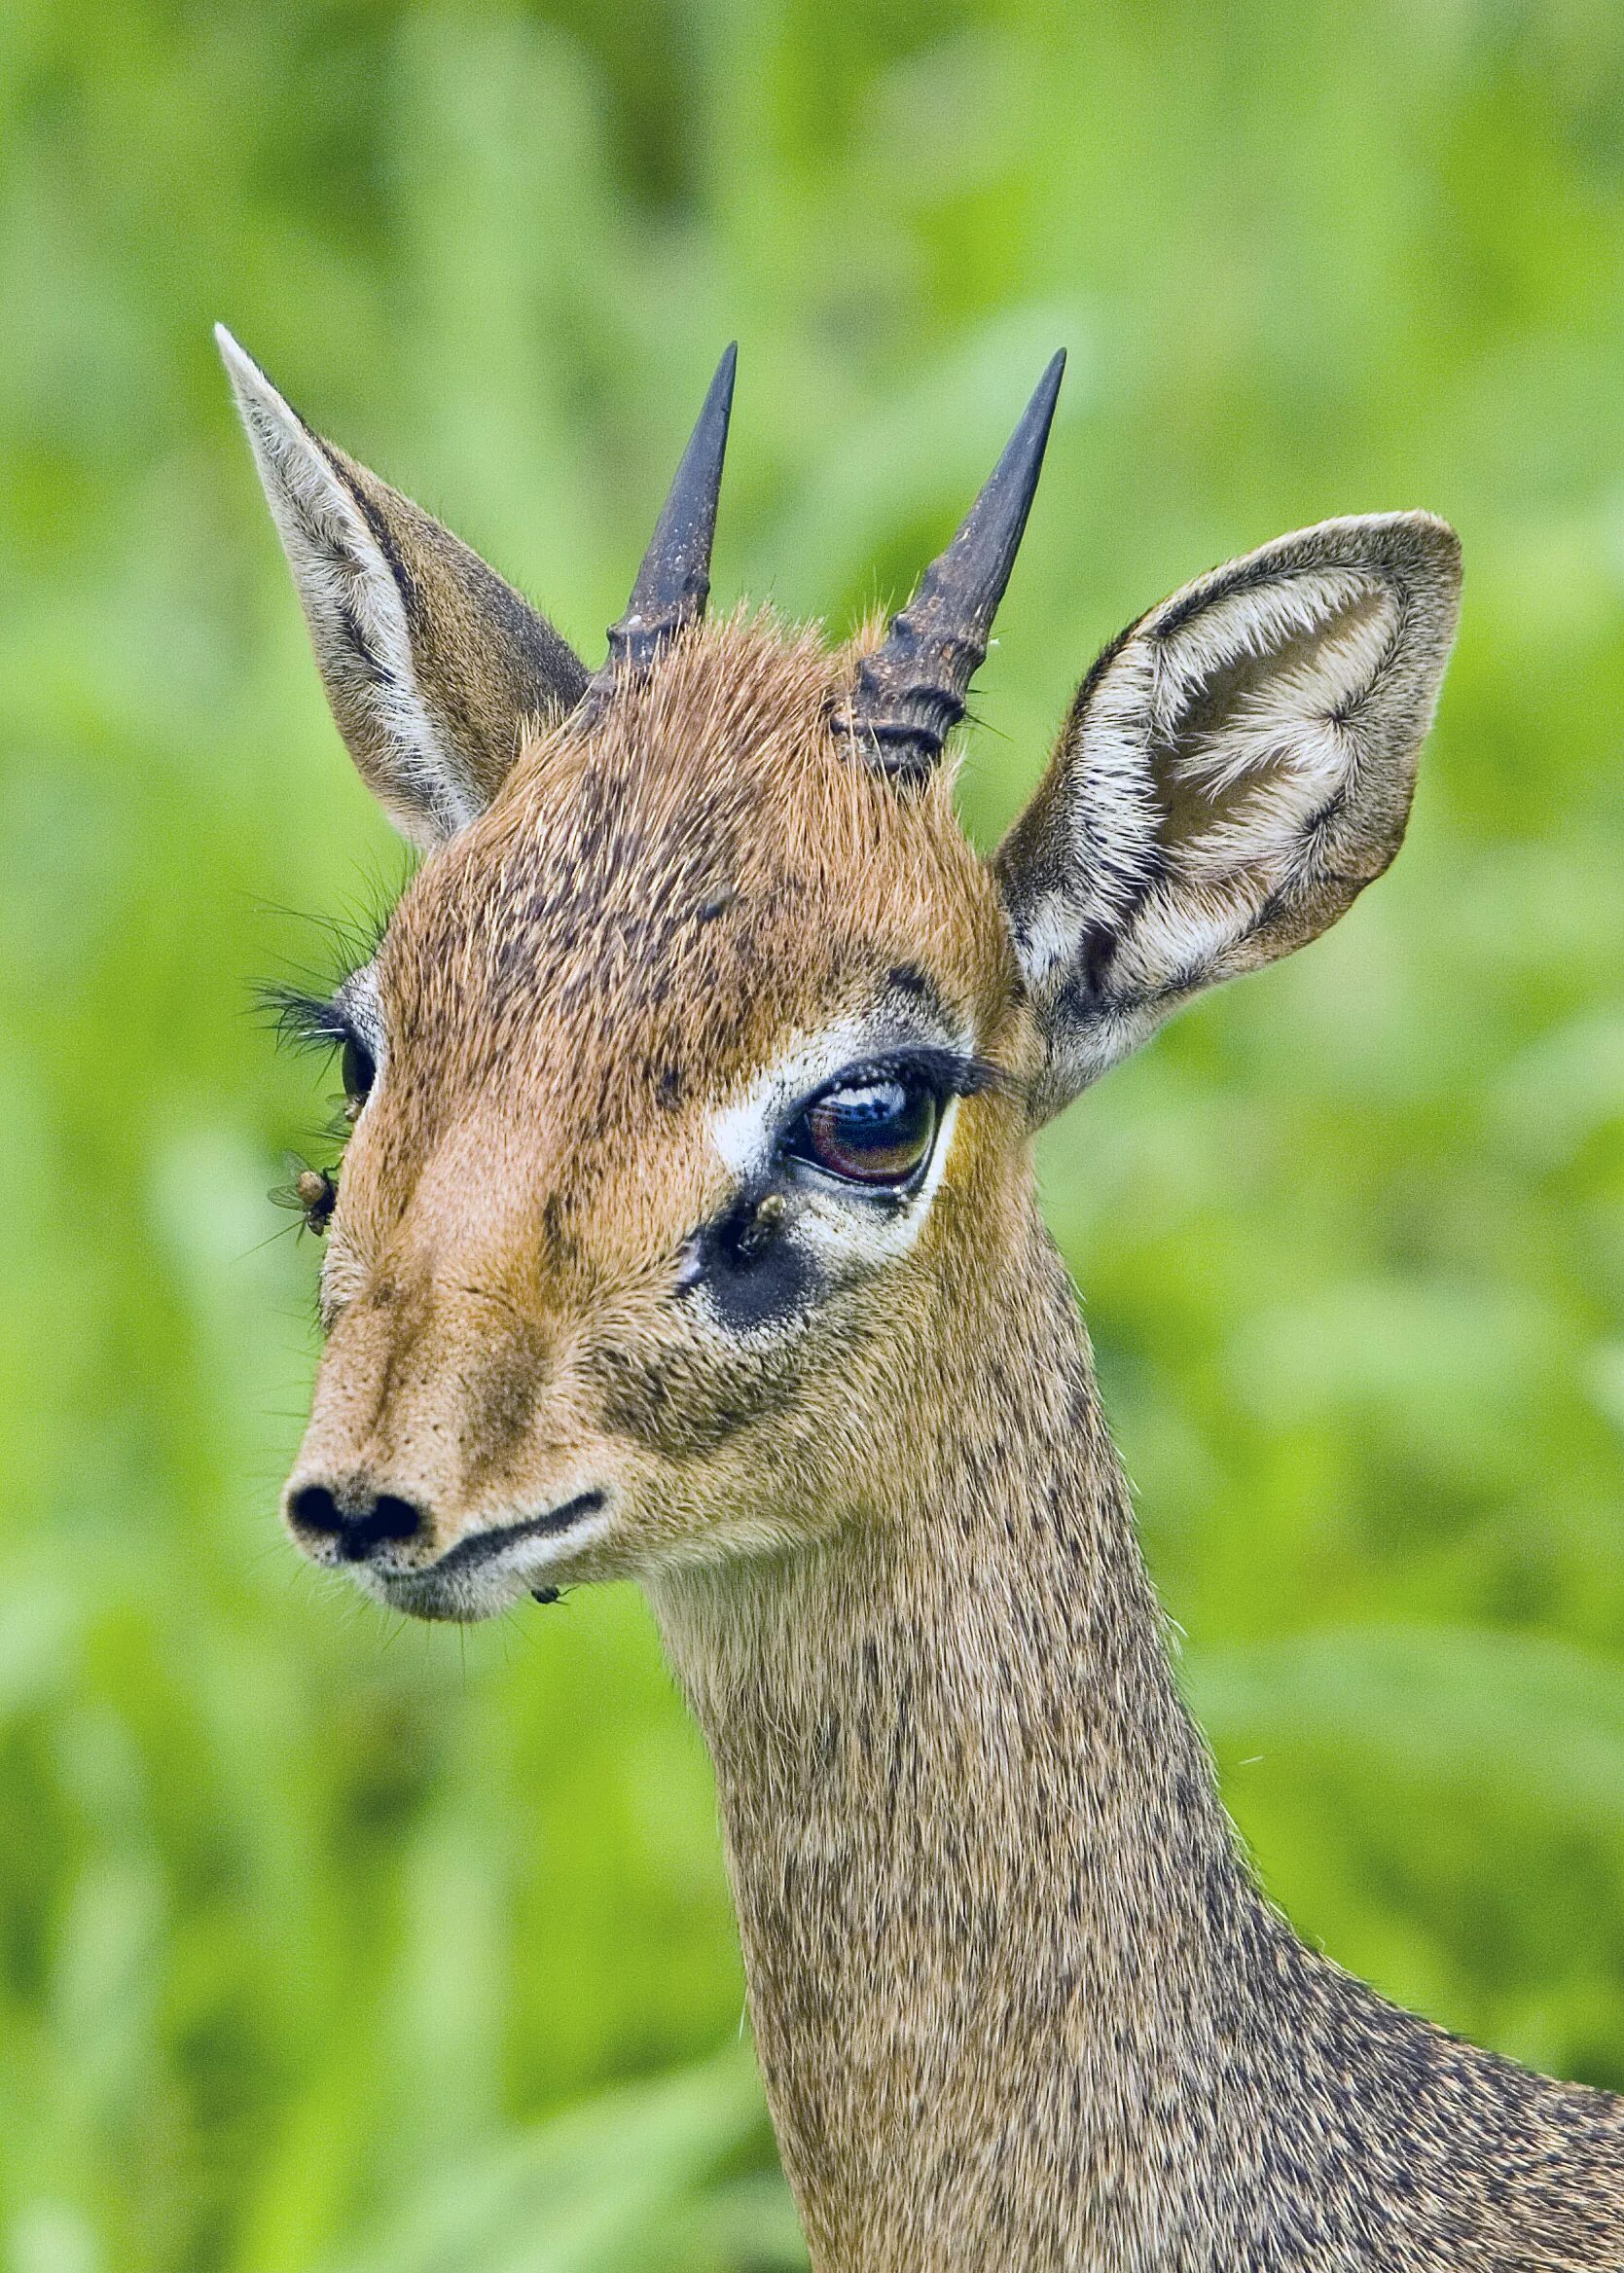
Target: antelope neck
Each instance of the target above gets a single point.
(1017, 1999)
(989, 1899)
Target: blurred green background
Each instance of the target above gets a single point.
(329, 1946)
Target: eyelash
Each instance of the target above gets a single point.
(943, 1070)
(309, 1021)
(314, 1022)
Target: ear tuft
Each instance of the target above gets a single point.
(1236, 768)
(431, 663)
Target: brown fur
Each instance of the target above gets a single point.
(1018, 1999)
(531, 1181)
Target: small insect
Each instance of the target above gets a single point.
(545, 1595)
(764, 1218)
(311, 1191)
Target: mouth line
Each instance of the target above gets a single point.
(485, 1546)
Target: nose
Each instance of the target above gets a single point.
(355, 1518)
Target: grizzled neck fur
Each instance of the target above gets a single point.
(1017, 1998)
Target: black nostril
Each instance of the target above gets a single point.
(393, 1519)
(358, 1522)
(313, 1509)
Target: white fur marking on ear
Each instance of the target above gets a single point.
(1235, 768)
(346, 586)
(1248, 624)
(1292, 738)
(1297, 720)
(1114, 810)
(1048, 935)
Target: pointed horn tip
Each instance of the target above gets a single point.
(709, 441)
(910, 692)
(718, 397)
(1015, 476)
(1038, 416)
(1040, 411)
(674, 582)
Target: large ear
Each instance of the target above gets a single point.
(431, 663)
(1236, 768)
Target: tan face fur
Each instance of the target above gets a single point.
(590, 1310)
(598, 1006)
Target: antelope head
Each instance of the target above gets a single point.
(692, 1079)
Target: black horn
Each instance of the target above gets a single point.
(910, 693)
(674, 582)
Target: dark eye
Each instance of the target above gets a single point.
(877, 1133)
(357, 1072)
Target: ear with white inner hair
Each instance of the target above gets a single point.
(1236, 768)
(431, 663)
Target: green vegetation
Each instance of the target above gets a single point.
(325, 1946)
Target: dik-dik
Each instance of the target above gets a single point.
(687, 1233)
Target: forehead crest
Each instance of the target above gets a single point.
(678, 881)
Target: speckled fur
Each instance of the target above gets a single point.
(1018, 1999)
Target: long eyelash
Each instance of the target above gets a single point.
(307, 1022)
(354, 935)
(304, 1009)
(949, 1073)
